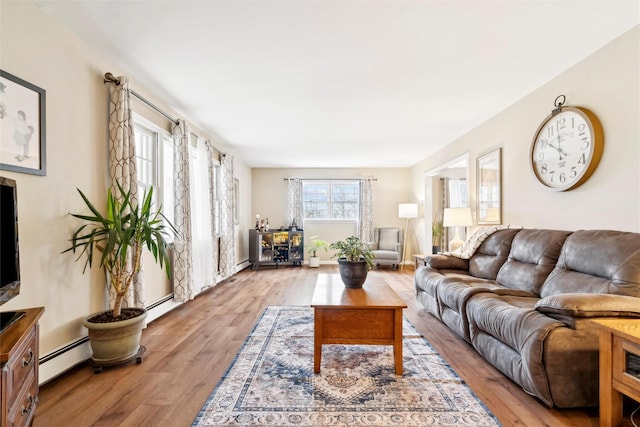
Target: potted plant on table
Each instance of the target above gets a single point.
(436, 236)
(314, 247)
(355, 259)
(118, 238)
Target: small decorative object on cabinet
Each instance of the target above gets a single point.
(274, 247)
(19, 361)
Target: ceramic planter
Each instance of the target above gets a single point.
(353, 274)
(115, 342)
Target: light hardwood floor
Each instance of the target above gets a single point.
(190, 348)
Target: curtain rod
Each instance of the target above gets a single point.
(110, 78)
(332, 179)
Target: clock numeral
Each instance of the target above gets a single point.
(541, 156)
(581, 127)
(573, 172)
(583, 159)
(543, 168)
(561, 122)
(562, 177)
(550, 131)
(585, 143)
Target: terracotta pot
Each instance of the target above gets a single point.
(114, 342)
(353, 274)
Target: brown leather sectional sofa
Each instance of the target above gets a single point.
(524, 299)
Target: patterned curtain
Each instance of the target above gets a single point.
(365, 226)
(122, 165)
(211, 175)
(294, 202)
(183, 289)
(227, 225)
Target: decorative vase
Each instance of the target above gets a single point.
(314, 261)
(353, 274)
(114, 342)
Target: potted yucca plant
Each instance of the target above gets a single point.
(355, 259)
(117, 238)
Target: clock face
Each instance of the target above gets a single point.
(566, 149)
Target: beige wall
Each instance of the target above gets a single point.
(606, 82)
(41, 51)
(269, 199)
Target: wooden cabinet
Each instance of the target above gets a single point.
(274, 247)
(19, 360)
(619, 367)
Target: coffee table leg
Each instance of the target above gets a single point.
(317, 340)
(397, 337)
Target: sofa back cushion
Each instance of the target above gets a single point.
(491, 254)
(534, 254)
(597, 261)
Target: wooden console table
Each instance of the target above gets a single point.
(619, 367)
(19, 361)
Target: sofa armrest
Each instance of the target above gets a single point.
(589, 305)
(440, 262)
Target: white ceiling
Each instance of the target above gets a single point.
(343, 83)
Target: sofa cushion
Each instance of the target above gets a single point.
(534, 254)
(492, 254)
(590, 305)
(510, 334)
(597, 261)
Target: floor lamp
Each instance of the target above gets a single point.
(408, 211)
(456, 217)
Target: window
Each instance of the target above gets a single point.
(154, 160)
(331, 200)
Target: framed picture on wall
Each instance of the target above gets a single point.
(489, 186)
(22, 126)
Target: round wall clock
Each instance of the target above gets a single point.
(566, 147)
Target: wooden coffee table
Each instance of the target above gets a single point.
(371, 315)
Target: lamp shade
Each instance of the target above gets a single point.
(408, 210)
(457, 217)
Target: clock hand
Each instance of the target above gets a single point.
(560, 152)
(558, 149)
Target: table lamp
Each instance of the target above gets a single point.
(456, 217)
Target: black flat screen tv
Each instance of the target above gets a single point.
(9, 252)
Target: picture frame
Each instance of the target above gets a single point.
(489, 188)
(22, 126)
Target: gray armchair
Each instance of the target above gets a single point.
(387, 246)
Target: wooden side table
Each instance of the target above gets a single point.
(419, 259)
(619, 367)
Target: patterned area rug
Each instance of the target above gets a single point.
(271, 382)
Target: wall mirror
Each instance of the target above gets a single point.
(489, 186)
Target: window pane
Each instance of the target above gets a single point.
(331, 200)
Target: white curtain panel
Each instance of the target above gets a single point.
(294, 202)
(212, 164)
(227, 225)
(365, 227)
(122, 166)
(183, 289)
(201, 225)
